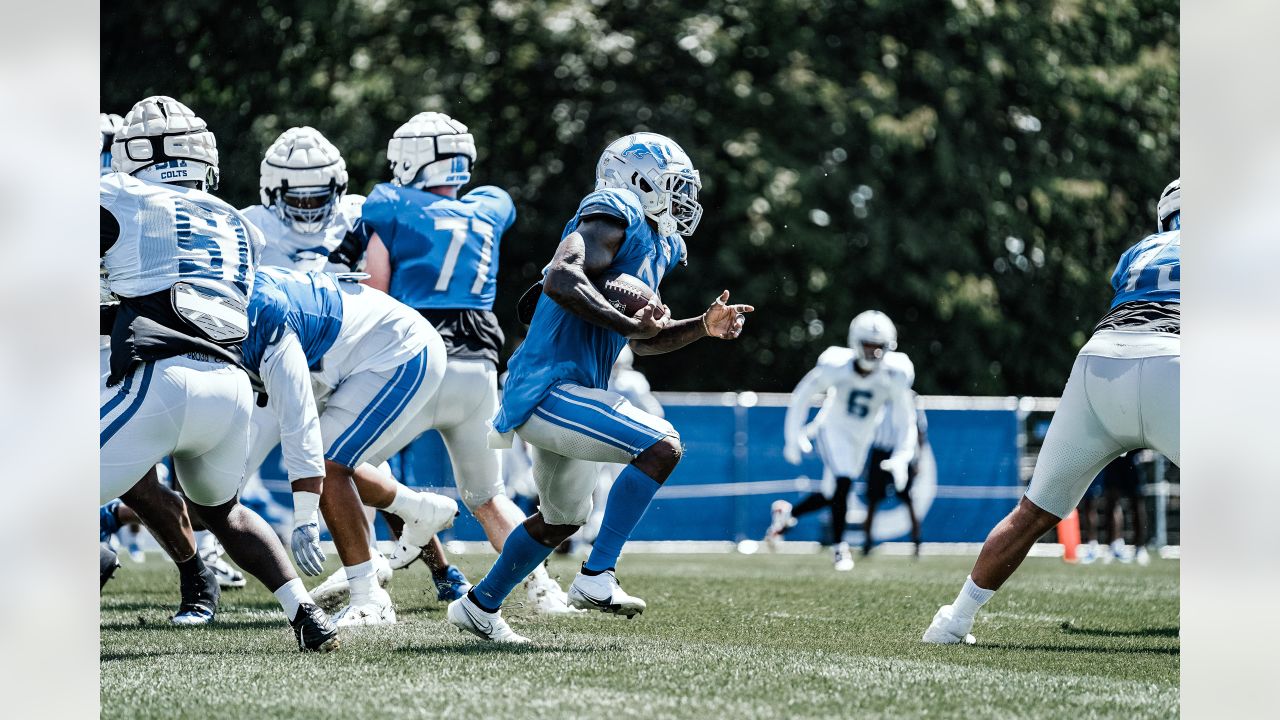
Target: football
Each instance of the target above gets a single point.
(627, 293)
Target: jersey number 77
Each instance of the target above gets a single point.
(459, 230)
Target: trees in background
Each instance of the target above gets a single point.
(974, 168)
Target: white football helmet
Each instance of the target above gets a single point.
(659, 173)
(163, 141)
(871, 335)
(302, 178)
(431, 150)
(1170, 205)
(108, 125)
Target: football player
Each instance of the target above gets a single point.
(311, 223)
(1122, 395)
(879, 480)
(348, 374)
(437, 252)
(636, 221)
(181, 262)
(857, 382)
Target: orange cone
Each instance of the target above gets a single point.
(1069, 536)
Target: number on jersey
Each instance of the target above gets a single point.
(458, 227)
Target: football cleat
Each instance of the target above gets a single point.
(548, 599)
(314, 630)
(1142, 557)
(108, 563)
(948, 630)
(602, 592)
(464, 614)
(130, 538)
(451, 585)
(376, 611)
(331, 592)
(200, 598)
(432, 514)
(843, 558)
(780, 522)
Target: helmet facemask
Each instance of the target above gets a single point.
(306, 209)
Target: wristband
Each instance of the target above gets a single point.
(306, 507)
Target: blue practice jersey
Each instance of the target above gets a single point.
(562, 347)
(307, 303)
(444, 252)
(1150, 271)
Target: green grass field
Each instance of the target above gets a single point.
(726, 636)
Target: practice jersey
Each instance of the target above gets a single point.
(309, 332)
(169, 233)
(563, 347)
(855, 404)
(338, 247)
(444, 251)
(1148, 287)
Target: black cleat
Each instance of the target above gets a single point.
(314, 629)
(108, 563)
(200, 595)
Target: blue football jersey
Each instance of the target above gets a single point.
(308, 303)
(562, 347)
(444, 252)
(1150, 271)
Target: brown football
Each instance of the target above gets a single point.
(626, 293)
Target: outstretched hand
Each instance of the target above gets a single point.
(725, 321)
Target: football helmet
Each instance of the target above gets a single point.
(659, 172)
(163, 141)
(108, 125)
(1169, 208)
(431, 150)
(302, 178)
(871, 335)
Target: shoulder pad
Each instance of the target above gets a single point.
(496, 201)
(621, 204)
(835, 356)
(899, 365)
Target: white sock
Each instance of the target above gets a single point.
(971, 598)
(362, 579)
(291, 595)
(406, 501)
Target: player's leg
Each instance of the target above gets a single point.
(1076, 448)
(420, 514)
(209, 464)
(839, 521)
(878, 482)
(905, 497)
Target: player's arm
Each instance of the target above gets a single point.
(585, 254)
(287, 379)
(796, 440)
(721, 320)
(904, 415)
(377, 262)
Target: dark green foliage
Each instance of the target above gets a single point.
(974, 168)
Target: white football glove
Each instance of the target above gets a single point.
(306, 533)
(898, 468)
(794, 451)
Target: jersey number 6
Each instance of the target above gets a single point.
(858, 403)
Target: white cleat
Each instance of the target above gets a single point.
(334, 589)
(780, 521)
(843, 558)
(432, 514)
(948, 630)
(466, 615)
(377, 611)
(548, 599)
(602, 592)
(1142, 557)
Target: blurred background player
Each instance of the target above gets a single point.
(438, 253)
(181, 261)
(348, 373)
(857, 382)
(1122, 395)
(1103, 504)
(879, 480)
(635, 222)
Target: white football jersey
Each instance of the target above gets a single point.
(291, 249)
(170, 233)
(854, 403)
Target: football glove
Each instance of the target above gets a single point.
(898, 468)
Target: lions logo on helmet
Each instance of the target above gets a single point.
(163, 141)
(659, 172)
(302, 178)
(1169, 208)
(871, 335)
(108, 125)
(431, 150)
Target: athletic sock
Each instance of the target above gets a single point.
(361, 580)
(405, 501)
(971, 598)
(191, 570)
(520, 555)
(291, 595)
(628, 499)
